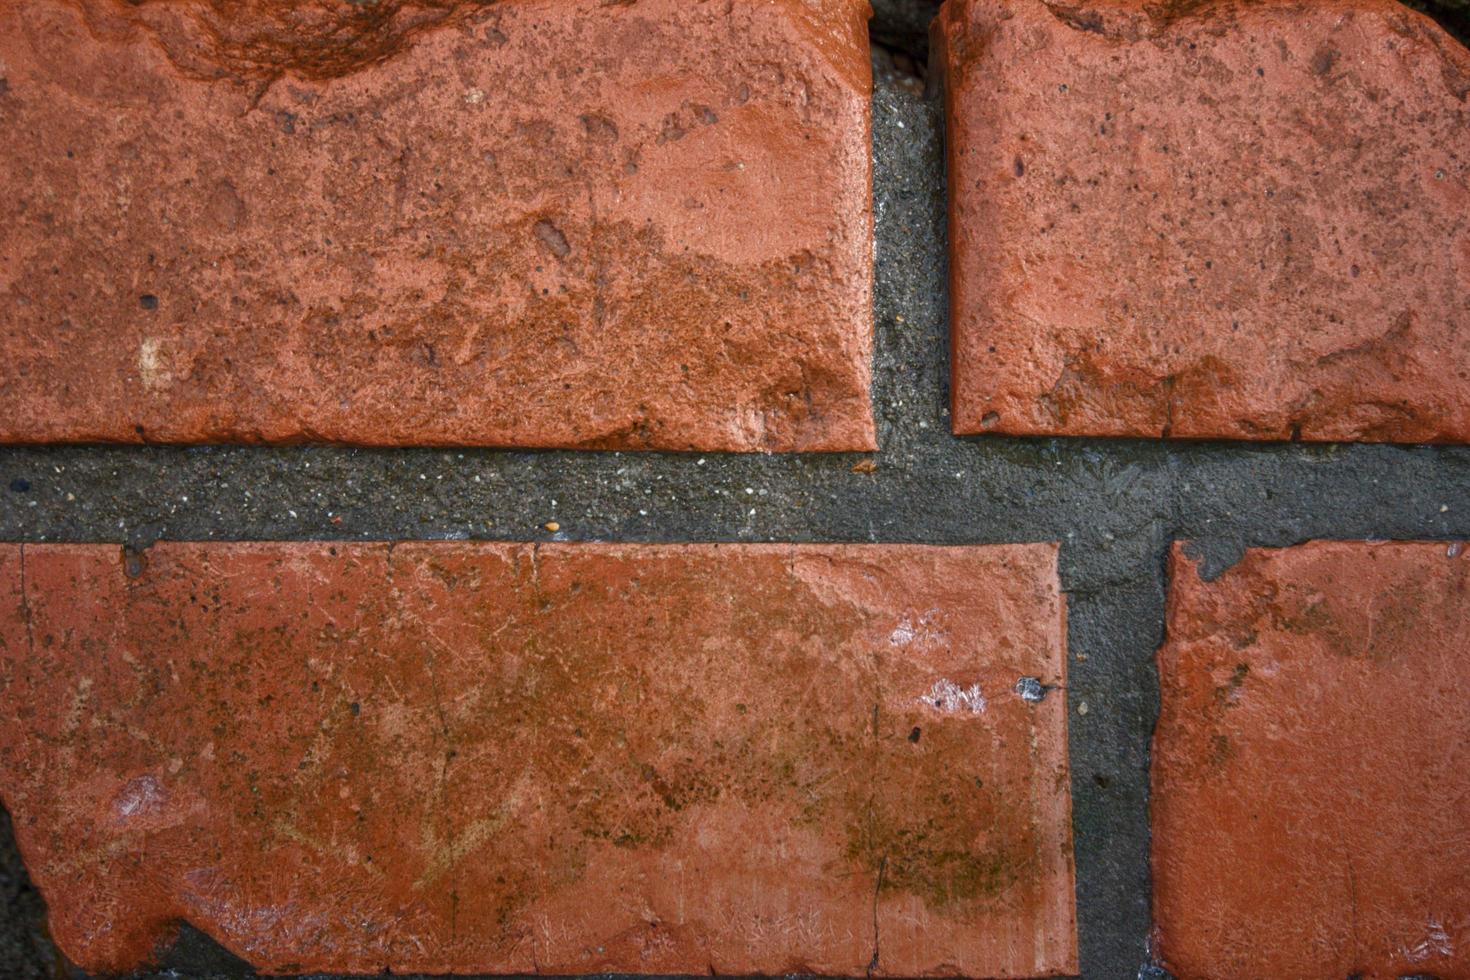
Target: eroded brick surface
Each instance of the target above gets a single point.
(1311, 765)
(1208, 220)
(533, 223)
(572, 759)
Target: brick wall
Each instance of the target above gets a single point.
(885, 727)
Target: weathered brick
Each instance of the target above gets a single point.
(565, 758)
(530, 223)
(1220, 219)
(1311, 765)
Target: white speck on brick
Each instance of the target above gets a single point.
(151, 367)
(140, 795)
(949, 697)
(1436, 942)
(921, 631)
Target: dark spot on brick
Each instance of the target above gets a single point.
(550, 236)
(148, 301)
(599, 127)
(1019, 167)
(672, 130)
(1323, 60)
(1088, 21)
(355, 708)
(134, 562)
(914, 735)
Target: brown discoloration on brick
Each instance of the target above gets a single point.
(565, 758)
(1309, 765)
(1217, 219)
(437, 223)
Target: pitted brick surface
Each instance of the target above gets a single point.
(528, 223)
(565, 758)
(1220, 219)
(1311, 765)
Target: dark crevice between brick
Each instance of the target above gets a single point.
(1452, 15)
(897, 69)
(197, 955)
(899, 43)
(902, 26)
(26, 952)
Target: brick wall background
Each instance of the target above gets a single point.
(1115, 505)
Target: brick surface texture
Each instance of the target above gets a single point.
(1235, 220)
(528, 223)
(1311, 765)
(571, 759)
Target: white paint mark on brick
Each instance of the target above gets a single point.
(949, 697)
(151, 365)
(1436, 942)
(921, 631)
(141, 795)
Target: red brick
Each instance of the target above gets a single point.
(1311, 765)
(1235, 220)
(571, 758)
(530, 223)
